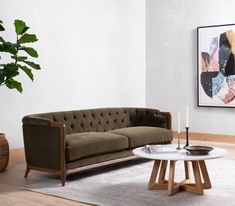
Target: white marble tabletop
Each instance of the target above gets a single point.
(179, 154)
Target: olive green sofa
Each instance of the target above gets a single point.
(60, 141)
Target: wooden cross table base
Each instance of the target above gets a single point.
(159, 170)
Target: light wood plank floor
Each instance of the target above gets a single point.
(10, 195)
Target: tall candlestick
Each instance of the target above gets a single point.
(178, 123)
(187, 116)
(187, 143)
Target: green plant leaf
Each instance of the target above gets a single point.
(27, 71)
(19, 58)
(22, 58)
(2, 40)
(31, 51)
(27, 38)
(20, 27)
(10, 70)
(13, 84)
(33, 65)
(24, 30)
(1, 76)
(2, 28)
(8, 47)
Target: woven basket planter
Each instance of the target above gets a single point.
(4, 152)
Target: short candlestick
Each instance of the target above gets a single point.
(178, 147)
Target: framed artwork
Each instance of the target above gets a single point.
(216, 65)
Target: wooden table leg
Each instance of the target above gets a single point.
(196, 188)
(205, 175)
(162, 174)
(171, 177)
(154, 174)
(187, 172)
(172, 186)
(161, 184)
(197, 176)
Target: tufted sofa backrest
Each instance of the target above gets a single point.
(104, 119)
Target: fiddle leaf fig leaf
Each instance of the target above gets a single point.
(1, 77)
(33, 65)
(27, 71)
(31, 51)
(27, 38)
(2, 40)
(13, 84)
(20, 27)
(1, 26)
(8, 47)
(10, 70)
(19, 58)
(1, 48)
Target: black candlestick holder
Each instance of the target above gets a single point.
(187, 143)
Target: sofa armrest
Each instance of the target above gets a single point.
(167, 116)
(44, 142)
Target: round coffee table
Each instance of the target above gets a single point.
(161, 160)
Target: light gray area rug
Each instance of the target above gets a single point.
(125, 184)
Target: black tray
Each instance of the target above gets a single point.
(198, 150)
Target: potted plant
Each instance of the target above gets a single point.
(19, 53)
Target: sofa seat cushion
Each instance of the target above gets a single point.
(80, 145)
(139, 136)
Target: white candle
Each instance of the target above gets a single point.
(187, 116)
(178, 123)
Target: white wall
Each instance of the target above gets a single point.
(92, 54)
(171, 68)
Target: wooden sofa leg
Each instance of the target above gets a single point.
(63, 178)
(26, 172)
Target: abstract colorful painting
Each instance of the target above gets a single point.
(216, 65)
